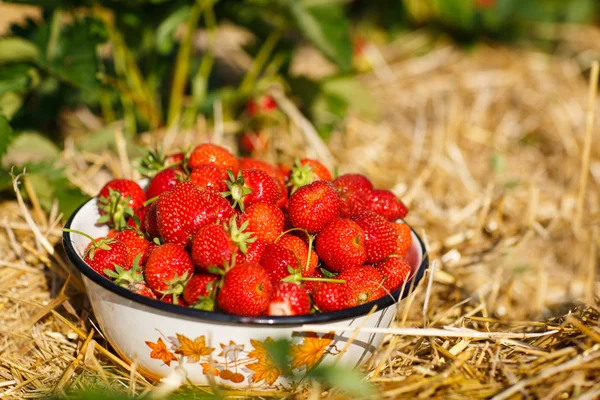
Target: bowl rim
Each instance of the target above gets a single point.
(223, 318)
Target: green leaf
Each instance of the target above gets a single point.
(326, 26)
(30, 147)
(16, 49)
(17, 78)
(6, 135)
(10, 103)
(166, 30)
(280, 351)
(344, 379)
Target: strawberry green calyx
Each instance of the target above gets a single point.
(154, 162)
(207, 303)
(240, 236)
(116, 209)
(103, 244)
(124, 277)
(301, 175)
(237, 189)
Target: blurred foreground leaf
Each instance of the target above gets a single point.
(15, 49)
(344, 379)
(6, 134)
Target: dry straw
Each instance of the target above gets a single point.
(496, 153)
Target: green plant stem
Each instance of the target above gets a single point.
(182, 66)
(105, 106)
(54, 34)
(259, 61)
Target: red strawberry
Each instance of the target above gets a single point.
(341, 245)
(386, 204)
(254, 142)
(363, 284)
(172, 299)
(199, 291)
(175, 159)
(404, 238)
(252, 186)
(135, 242)
(150, 223)
(185, 209)
(277, 261)
(215, 155)
(329, 296)
(263, 104)
(274, 172)
(381, 238)
(300, 249)
(212, 247)
(254, 253)
(395, 270)
(307, 171)
(153, 245)
(210, 176)
(104, 254)
(246, 290)
(311, 286)
(264, 220)
(289, 299)
(168, 269)
(118, 200)
(142, 289)
(313, 206)
(137, 220)
(353, 190)
(164, 181)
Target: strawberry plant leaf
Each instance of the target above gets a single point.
(6, 135)
(344, 379)
(16, 49)
(326, 26)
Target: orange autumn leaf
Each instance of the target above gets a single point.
(310, 351)
(193, 350)
(206, 369)
(265, 368)
(160, 352)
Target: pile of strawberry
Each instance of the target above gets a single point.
(244, 237)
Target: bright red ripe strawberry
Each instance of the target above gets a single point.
(404, 238)
(263, 104)
(277, 261)
(311, 286)
(274, 172)
(210, 176)
(118, 200)
(142, 289)
(135, 243)
(252, 186)
(153, 245)
(150, 223)
(341, 245)
(386, 204)
(164, 181)
(212, 247)
(172, 299)
(300, 249)
(395, 270)
(104, 254)
(168, 269)
(199, 291)
(264, 220)
(215, 155)
(353, 190)
(185, 209)
(254, 253)
(313, 206)
(307, 171)
(289, 299)
(329, 296)
(140, 215)
(363, 284)
(246, 290)
(381, 237)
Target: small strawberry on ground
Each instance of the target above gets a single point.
(313, 206)
(210, 177)
(118, 200)
(341, 245)
(386, 204)
(246, 290)
(164, 181)
(300, 249)
(215, 155)
(404, 238)
(395, 270)
(168, 269)
(251, 186)
(307, 171)
(363, 284)
(253, 142)
(264, 220)
(381, 237)
(289, 299)
(200, 291)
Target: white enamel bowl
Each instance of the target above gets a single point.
(161, 336)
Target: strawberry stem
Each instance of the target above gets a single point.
(80, 233)
(323, 280)
(150, 201)
(311, 238)
(288, 231)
